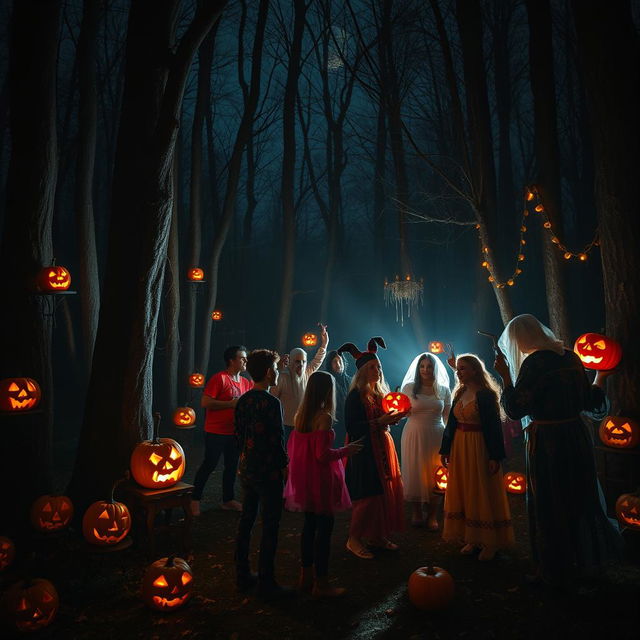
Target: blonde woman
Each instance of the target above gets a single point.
(476, 509)
(373, 477)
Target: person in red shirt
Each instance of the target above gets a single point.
(219, 399)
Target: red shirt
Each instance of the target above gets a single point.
(221, 386)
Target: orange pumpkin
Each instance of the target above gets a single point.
(396, 402)
(431, 588)
(435, 346)
(515, 482)
(195, 274)
(628, 510)
(597, 351)
(217, 315)
(51, 513)
(31, 604)
(441, 479)
(196, 380)
(19, 394)
(7, 552)
(619, 432)
(309, 340)
(184, 417)
(106, 523)
(54, 278)
(167, 583)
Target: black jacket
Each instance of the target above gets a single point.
(490, 422)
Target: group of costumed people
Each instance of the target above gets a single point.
(285, 432)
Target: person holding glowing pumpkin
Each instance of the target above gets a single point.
(373, 477)
(547, 386)
(476, 509)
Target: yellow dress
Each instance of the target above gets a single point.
(476, 509)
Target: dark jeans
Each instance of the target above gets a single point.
(268, 496)
(315, 542)
(215, 445)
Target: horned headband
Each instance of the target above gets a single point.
(362, 357)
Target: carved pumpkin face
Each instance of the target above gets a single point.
(32, 604)
(441, 478)
(54, 278)
(167, 584)
(51, 513)
(157, 465)
(515, 482)
(309, 340)
(619, 432)
(7, 552)
(19, 394)
(396, 402)
(217, 315)
(430, 588)
(435, 346)
(598, 352)
(195, 274)
(106, 523)
(184, 417)
(628, 510)
(196, 380)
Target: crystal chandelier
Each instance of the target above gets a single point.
(405, 294)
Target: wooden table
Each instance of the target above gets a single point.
(145, 504)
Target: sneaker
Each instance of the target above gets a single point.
(231, 505)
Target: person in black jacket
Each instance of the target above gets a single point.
(476, 509)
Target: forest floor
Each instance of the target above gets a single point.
(100, 596)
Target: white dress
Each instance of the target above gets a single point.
(421, 440)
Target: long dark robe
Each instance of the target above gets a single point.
(568, 527)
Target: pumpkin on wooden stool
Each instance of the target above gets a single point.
(628, 510)
(7, 552)
(396, 402)
(619, 432)
(106, 522)
(51, 513)
(167, 584)
(31, 604)
(54, 278)
(430, 588)
(19, 394)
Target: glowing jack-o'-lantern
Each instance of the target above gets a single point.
(51, 513)
(167, 583)
(515, 482)
(7, 552)
(430, 588)
(396, 402)
(157, 463)
(619, 432)
(196, 380)
(217, 315)
(441, 477)
(309, 340)
(184, 417)
(435, 346)
(106, 522)
(195, 274)
(19, 394)
(54, 278)
(597, 351)
(628, 510)
(31, 604)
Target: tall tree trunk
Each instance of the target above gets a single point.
(288, 173)
(85, 165)
(119, 402)
(25, 329)
(608, 48)
(548, 160)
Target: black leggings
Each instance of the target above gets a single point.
(315, 542)
(215, 445)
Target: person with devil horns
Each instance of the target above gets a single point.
(373, 477)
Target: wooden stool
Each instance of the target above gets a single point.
(150, 502)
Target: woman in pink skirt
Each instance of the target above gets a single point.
(316, 484)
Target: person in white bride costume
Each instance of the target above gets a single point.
(427, 385)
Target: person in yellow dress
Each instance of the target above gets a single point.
(476, 509)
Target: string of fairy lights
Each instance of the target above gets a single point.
(533, 203)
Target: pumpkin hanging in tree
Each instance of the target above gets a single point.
(167, 583)
(195, 274)
(196, 380)
(157, 463)
(51, 513)
(19, 394)
(184, 417)
(309, 340)
(31, 604)
(106, 522)
(597, 351)
(435, 347)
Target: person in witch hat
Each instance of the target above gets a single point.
(373, 477)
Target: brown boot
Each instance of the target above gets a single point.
(322, 589)
(305, 583)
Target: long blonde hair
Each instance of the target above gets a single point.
(483, 378)
(359, 382)
(319, 397)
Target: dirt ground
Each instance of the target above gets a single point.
(100, 597)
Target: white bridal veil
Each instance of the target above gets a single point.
(439, 372)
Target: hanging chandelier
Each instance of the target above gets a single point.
(405, 294)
